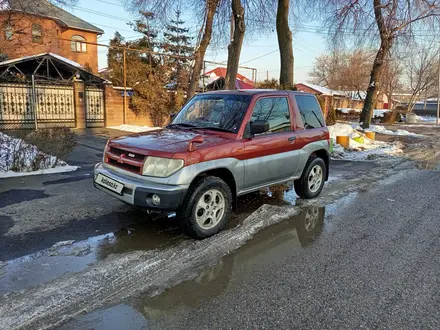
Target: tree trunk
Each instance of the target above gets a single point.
(199, 54)
(234, 48)
(385, 47)
(285, 44)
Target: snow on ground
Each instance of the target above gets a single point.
(134, 128)
(377, 113)
(370, 149)
(18, 158)
(400, 132)
(380, 113)
(55, 170)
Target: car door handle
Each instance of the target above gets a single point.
(292, 138)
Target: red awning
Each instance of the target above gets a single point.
(242, 85)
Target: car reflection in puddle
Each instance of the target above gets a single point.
(273, 242)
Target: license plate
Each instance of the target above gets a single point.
(108, 183)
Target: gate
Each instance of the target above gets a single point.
(16, 109)
(54, 106)
(94, 107)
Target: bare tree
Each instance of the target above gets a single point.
(234, 48)
(421, 70)
(327, 68)
(392, 77)
(343, 70)
(199, 54)
(285, 44)
(385, 20)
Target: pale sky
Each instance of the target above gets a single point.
(110, 16)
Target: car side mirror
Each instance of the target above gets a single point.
(259, 126)
(172, 116)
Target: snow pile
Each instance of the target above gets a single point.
(377, 113)
(370, 149)
(19, 158)
(400, 132)
(380, 113)
(425, 119)
(134, 128)
(348, 110)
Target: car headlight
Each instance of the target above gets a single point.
(161, 167)
(105, 151)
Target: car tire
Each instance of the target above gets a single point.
(314, 168)
(207, 207)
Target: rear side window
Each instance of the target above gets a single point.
(276, 111)
(311, 113)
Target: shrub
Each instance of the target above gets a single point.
(58, 142)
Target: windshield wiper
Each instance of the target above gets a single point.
(181, 125)
(213, 128)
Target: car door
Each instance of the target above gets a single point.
(271, 156)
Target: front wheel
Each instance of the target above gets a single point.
(312, 180)
(207, 207)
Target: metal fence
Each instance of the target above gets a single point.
(22, 107)
(16, 106)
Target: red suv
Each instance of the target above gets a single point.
(221, 145)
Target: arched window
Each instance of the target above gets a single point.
(78, 44)
(37, 34)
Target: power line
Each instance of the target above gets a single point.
(256, 58)
(110, 3)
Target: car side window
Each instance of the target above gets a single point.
(310, 111)
(276, 111)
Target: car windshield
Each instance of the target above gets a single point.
(222, 112)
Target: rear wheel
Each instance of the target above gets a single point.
(207, 207)
(312, 180)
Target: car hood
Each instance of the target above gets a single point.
(166, 141)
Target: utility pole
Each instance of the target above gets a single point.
(125, 87)
(267, 75)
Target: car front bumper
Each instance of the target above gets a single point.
(139, 191)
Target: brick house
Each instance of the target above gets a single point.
(37, 26)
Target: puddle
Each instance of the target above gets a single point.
(74, 256)
(114, 318)
(272, 243)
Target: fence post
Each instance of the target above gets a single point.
(34, 102)
(80, 104)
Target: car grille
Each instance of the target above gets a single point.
(124, 159)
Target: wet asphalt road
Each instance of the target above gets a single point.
(372, 264)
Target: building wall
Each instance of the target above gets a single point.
(21, 43)
(114, 110)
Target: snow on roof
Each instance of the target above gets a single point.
(321, 89)
(63, 59)
(25, 58)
